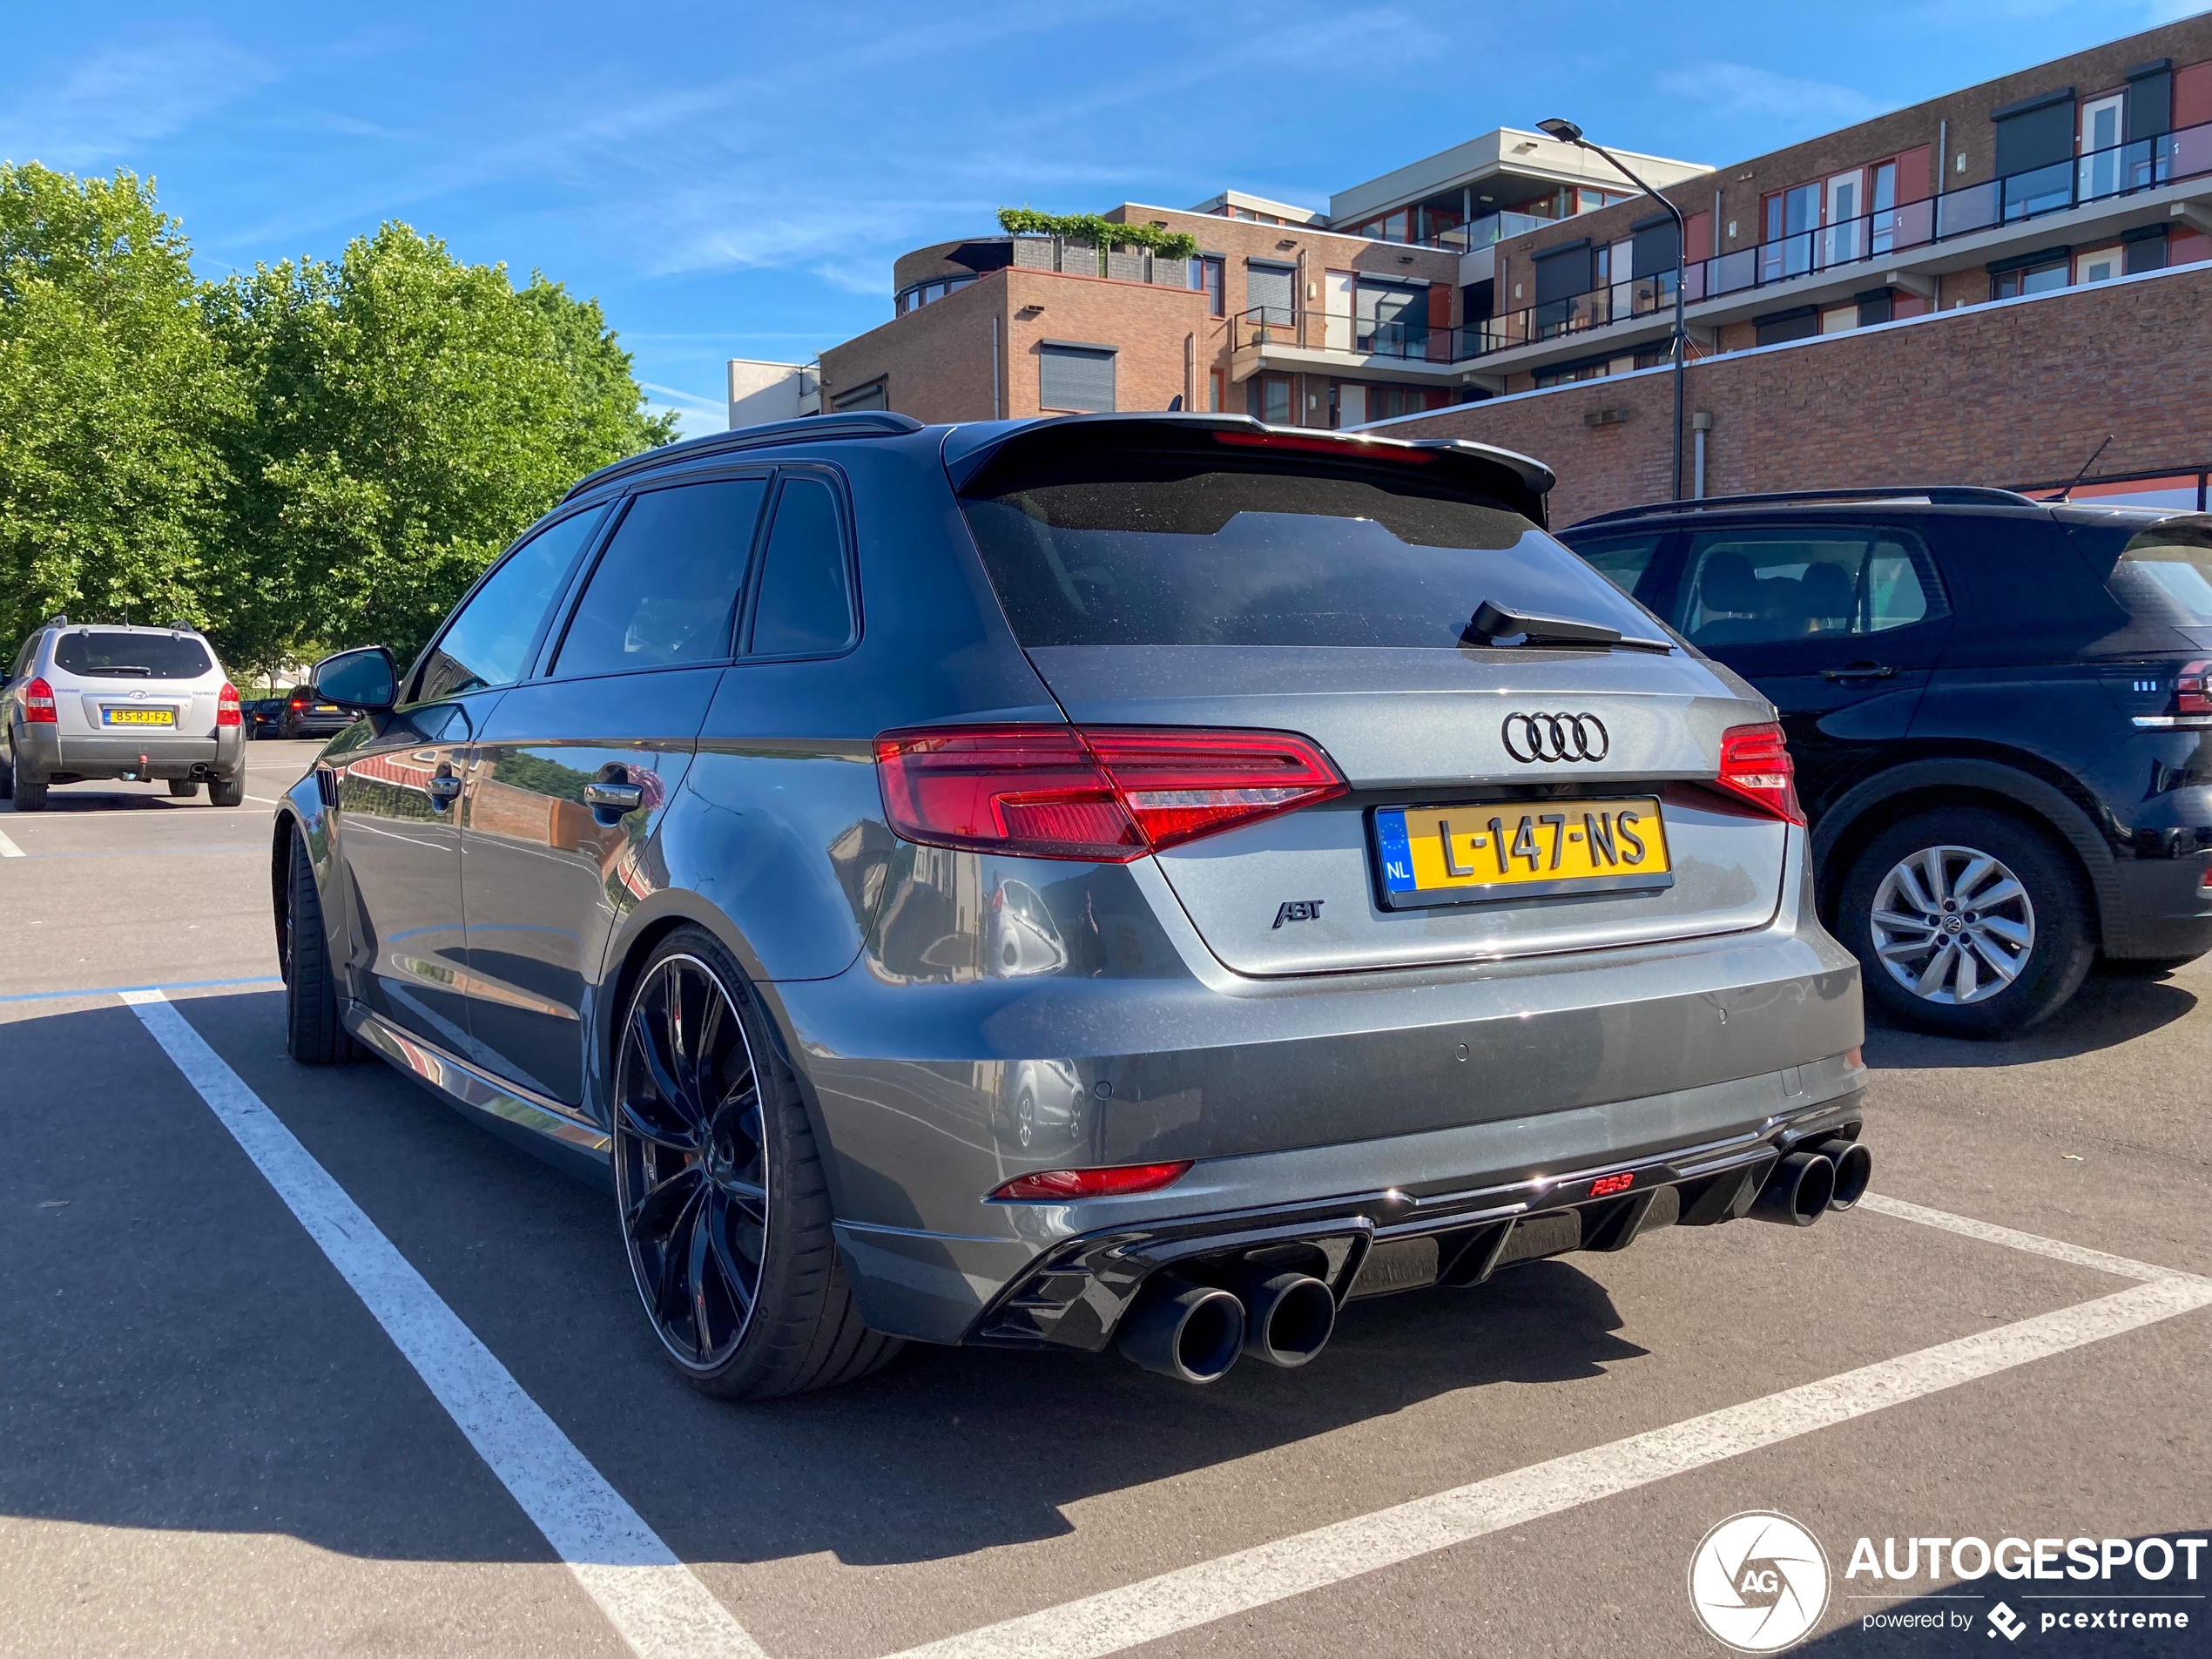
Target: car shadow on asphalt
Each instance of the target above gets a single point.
(253, 1392)
(2109, 1010)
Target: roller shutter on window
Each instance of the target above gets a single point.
(1079, 378)
(1657, 242)
(2035, 133)
(1273, 287)
(1562, 273)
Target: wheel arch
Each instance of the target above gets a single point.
(1861, 812)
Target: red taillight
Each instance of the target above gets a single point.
(1110, 793)
(1051, 1185)
(39, 704)
(1756, 768)
(2193, 689)
(1606, 1185)
(226, 706)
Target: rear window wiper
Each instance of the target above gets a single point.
(1493, 625)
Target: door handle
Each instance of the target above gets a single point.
(444, 790)
(1859, 672)
(614, 797)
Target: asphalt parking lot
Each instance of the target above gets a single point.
(214, 1447)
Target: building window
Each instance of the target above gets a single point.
(1271, 293)
(1217, 390)
(1267, 397)
(1801, 323)
(2035, 273)
(1075, 379)
(1206, 276)
(2099, 264)
(873, 396)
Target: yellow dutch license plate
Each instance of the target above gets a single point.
(141, 716)
(1432, 855)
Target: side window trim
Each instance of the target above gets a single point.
(548, 651)
(543, 527)
(848, 536)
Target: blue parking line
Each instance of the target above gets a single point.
(117, 990)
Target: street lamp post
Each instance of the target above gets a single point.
(1567, 132)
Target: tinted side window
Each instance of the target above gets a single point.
(1624, 561)
(489, 637)
(1768, 586)
(805, 602)
(667, 585)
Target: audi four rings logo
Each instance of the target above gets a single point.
(1555, 736)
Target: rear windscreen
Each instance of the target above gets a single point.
(2166, 571)
(159, 657)
(1138, 549)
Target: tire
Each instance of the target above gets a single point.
(731, 1250)
(1958, 926)
(183, 788)
(227, 791)
(8, 778)
(313, 1035)
(26, 787)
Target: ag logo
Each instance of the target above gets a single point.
(1758, 1582)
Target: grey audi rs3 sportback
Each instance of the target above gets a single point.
(1135, 880)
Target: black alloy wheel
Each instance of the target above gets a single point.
(691, 1150)
(722, 1199)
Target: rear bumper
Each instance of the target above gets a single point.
(2167, 908)
(1293, 1096)
(166, 754)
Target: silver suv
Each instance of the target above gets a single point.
(94, 700)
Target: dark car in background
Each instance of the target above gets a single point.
(1999, 713)
(261, 715)
(301, 713)
(1115, 880)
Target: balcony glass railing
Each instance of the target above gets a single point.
(2099, 175)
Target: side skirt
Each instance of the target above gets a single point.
(561, 1135)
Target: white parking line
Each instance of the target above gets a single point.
(1116, 1620)
(2057, 1248)
(651, 1598)
(9, 849)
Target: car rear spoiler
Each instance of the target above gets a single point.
(1514, 481)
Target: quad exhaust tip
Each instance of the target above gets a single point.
(1797, 1193)
(1191, 1332)
(1288, 1319)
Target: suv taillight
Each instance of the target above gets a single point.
(39, 704)
(1756, 768)
(1108, 793)
(226, 706)
(2193, 689)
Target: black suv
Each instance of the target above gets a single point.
(2000, 710)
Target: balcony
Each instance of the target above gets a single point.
(1916, 234)
(1373, 347)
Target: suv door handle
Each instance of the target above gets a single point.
(614, 797)
(1859, 672)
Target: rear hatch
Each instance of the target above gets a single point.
(122, 683)
(1506, 797)
(2155, 658)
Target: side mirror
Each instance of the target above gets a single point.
(365, 680)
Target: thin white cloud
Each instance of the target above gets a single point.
(123, 98)
(1744, 89)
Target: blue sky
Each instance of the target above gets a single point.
(734, 180)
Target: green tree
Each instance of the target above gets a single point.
(408, 414)
(114, 404)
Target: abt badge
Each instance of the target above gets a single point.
(1296, 910)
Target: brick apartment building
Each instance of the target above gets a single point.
(1279, 314)
(1978, 289)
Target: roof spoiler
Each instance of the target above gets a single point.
(1520, 482)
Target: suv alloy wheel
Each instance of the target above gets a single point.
(1968, 923)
